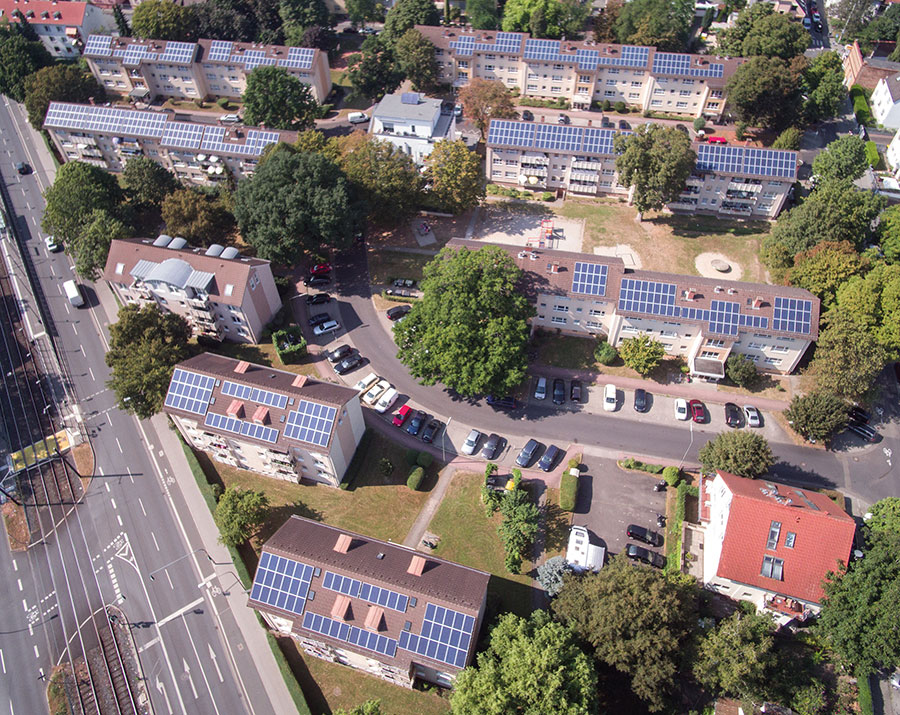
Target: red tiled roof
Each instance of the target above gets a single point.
(70, 13)
(824, 536)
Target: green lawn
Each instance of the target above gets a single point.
(565, 351)
(264, 354)
(384, 266)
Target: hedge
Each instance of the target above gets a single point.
(860, 98)
(636, 464)
(415, 478)
(560, 103)
(399, 298)
(865, 695)
(289, 353)
(673, 558)
(568, 491)
(872, 155)
(672, 475)
(412, 457)
(425, 459)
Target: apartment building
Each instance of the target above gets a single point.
(197, 153)
(701, 319)
(276, 423)
(222, 294)
(583, 73)
(413, 122)
(145, 69)
(866, 71)
(726, 181)
(63, 27)
(885, 102)
(373, 605)
(771, 544)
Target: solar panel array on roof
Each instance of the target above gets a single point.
(98, 46)
(409, 98)
(775, 163)
(648, 297)
(545, 51)
(189, 391)
(298, 58)
(111, 120)
(445, 636)
(508, 42)
(310, 422)
(792, 315)
(182, 135)
(589, 278)
(367, 592)
(463, 46)
(179, 53)
(220, 51)
(674, 63)
(252, 59)
(551, 137)
(256, 140)
(350, 634)
(253, 394)
(723, 317)
(241, 427)
(281, 583)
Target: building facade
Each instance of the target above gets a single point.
(584, 73)
(196, 70)
(866, 71)
(63, 27)
(381, 608)
(219, 292)
(892, 155)
(770, 543)
(703, 320)
(727, 180)
(197, 153)
(412, 122)
(885, 102)
(275, 423)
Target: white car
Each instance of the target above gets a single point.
(681, 409)
(540, 390)
(752, 415)
(357, 117)
(471, 443)
(326, 327)
(376, 391)
(52, 245)
(366, 382)
(230, 119)
(386, 400)
(609, 398)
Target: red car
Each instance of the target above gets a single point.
(320, 269)
(401, 416)
(717, 140)
(698, 411)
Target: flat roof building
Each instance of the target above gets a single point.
(63, 27)
(413, 122)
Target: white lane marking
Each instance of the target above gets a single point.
(100, 470)
(113, 502)
(107, 486)
(66, 306)
(119, 519)
(160, 688)
(153, 536)
(74, 328)
(169, 579)
(15, 565)
(148, 644)
(142, 506)
(36, 652)
(25, 605)
(82, 350)
(20, 583)
(181, 610)
(92, 374)
(212, 654)
(119, 445)
(187, 672)
(2, 662)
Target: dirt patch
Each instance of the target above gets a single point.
(709, 264)
(629, 256)
(402, 236)
(522, 224)
(16, 526)
(83, 456)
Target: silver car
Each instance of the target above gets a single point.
(752, 415)
(471, 443)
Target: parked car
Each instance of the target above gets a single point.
(640, 533)
(859, 415)
(339, 353)
(540, 389)
(559, 391)
(575, 391)
(318, 298)
(864, 431)
(733, 417)
(401, 416)
(623, 124)
(313, 281)
(23, 168)
(717, 140)
(754, 419)
(398, 311)
(327, 327)
(416, 423)
(527, 116)
(492, 446)
(431, 430)
(357, 117)
(609, 398)
(318, 319)
(457, 111)
(640, 400)
(376, 391)
(527, 453)
(320, 269)
(563, 119)
(639, 553)
(698, 411)
(230, 119)
(548, 459)
(366, 382)
(386, 400)
(681, 409)
(807, 23)
(52, 245)
(349, 363)
(471, 443)
(502, 403)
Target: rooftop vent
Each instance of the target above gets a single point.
(215, 250)
(342, 545)
(178, 243)
(241, 367)
(553, 268)
(235, 409)
(163, 240)
(688, 294)
(757, 303)
(380, 555)
(299, 381)
(533, 255)
(416, 566)
(731, 291)
(523, 254)
(261, 415)
(230, 252)
(718, 289)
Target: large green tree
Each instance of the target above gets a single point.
(77, 191)
(363, 11)
(470, 330)
(889, 234)
(196, 215)
(532, 665)
(874, 300)
(91, 247)
(295, 203)
(482, 14)
(58, 83)
(303, 13)
(233, 20)
(637, 620)
(414, 54)
(278, 100)
(373, 71)
(455, 175)
(844, 158)
(884, 517)
(823, 85)
(738, 452)
(147, 182)
(741, 370)
(765, 92)
(545, 18)
(405, 14)
(387, 178)
(664, 24)
(817, 415)
(484, 100)
(642, 353)
(762, 31)
(19, 58)
(824, 268)
(656, 161)
(239, 515)
(144, 347)
(848, 358)
(164, 20)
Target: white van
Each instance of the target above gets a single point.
(386, 400)
(540, 390)
(581, 554)
(73, 293)
(230, 119)
(609, 398)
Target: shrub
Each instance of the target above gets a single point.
(550, 574)
(637, 465)
(415, 478)
(516, 477)
(290, 345)
(699, 123)
(548, 196)
(491, 500)
(607, 105)
(741, 370)
(605, 353)
(568, 491)
(621, 107)
(575, 462)
(872, 155)
(223, 102)
(425, 459)
(740, 131)
(861, 108)
(386, 467)
(412, 457)
(490, 469)
(284, 285)
(788, 139)
(672, 475)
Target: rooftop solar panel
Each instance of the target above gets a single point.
(241, 427)
(179, 53)
(723, 317)
(298, 58)
(445, 637)
(98, 46)
(775, 163)
(792, 315)
(350, 634)
(367, 592)
(220, 51)
(182, 135)
(109, 120)
(551, 137)
(254, 394)
(281, 583)
(310, 422)
(189, 391)
(647, 297)
(678, 64)
(589, 278)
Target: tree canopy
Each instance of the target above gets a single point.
(164, 20)
(233, 20)
(823, 85)
(196, 215)
(604, 23)
(889, 234)
(77, 191)
(532, 665)
(656, 161)
(58, 83)
(303, 13)
(405, 14)
(664, 24)
(19, 57)
(482, 14)
(788, 139)
(239, 514)
(884, 517)
(144, 347)
(765, 92)
(817, 415)
(741, 370)
(550, 574)
(363, 11)
(848, 358)
(844, 158)
(469, 331)
(147, 182)
(373, 71)
(90, 247)
(759, 30)
(545, 18)
(455, 175)
(642, 353)
(743, 453)
(484, 100)
(414, 54)
(874, 300)
(297, 202)
(388, 179)
(824, 268)
(278, 100)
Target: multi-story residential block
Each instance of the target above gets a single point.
(702, 319)
(866, 71)
(382, 608)
(770, 543)
(199, 153)
(194, 70)
(276, 423)
(584, 72)
(62, 26)
(727, 180)
(885, 102)
(892, 155)
(413, 122)
(219, 292)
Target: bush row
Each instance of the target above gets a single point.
(289, 352)
(545, 103)
(398, 298)
(495, 190)
(632, 463)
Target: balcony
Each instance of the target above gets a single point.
(684, 202)
(735, 209)
(694, 181)
(535, 160)
(748, 195)
(576, 187)
(587, 165)
(529, 170)
(748, 185)
(200, 304)
(690, 190)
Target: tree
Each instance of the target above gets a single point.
(847, 16)
(884, 516)
(239, 514)
(874, 300)
(78, 190)
(482, 14)
(144, 347)
(121, 23)
(883, 28)
(550, 574)
(844, 158)
(58, 83)
(847, 358)
(859, 609)
(519, 527)
(475, 344)
(163, 20)
(545, 18)
(387, 178)
(737, 657)
(406, 14)
(605, 353)
(824, 88)
(656, 161)
(484, 100)
(731, 40)
(788, 139)
(318, 36)
(297, 202)
(642, 353)
(373, 72)
(889, 229)
(605, 22)
(741, 370)
(278, 100)
(743, 453)
(18, 59)
(532, 665)
(699, 123)
(764, 92)
(761, 31)
(415, 58)
(457, 182)
(303, 13)
(197, 216)
(146, 182)
(660, 23)
(823, 268)
(226, 20)
(363, 11)
(817, 415)
(643, 641)
(91, 247)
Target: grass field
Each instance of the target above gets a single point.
(264, 354)
(384, 266)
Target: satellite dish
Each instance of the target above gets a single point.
(523, 179)
(532, 179)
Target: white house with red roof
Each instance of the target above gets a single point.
(770, 543)
(62, 26)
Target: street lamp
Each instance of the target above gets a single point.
(183, 556)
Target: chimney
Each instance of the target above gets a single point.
(235, 409)
(242, 366)
(718, 289)
(689, 294)
(299, 381)
(340, 611)
(553, 267)
(757, 303)
(261, 415)
(416, 566)
(342, 545)
(731, 291)
(374, 618)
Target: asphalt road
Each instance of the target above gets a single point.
(132, 523)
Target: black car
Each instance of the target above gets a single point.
(492, 446)
(316, 280)
(640, 400)
(431, 430)
(733, 415)
(623, 124)
(339, 353)
(527, 116)
(349, 363)
(318, 319)
(548, 459)
(863, 431)
(501, 403)
(639, 533)
(859, 415)
(563, 119)
(398, 311)
(23, 168)
(559, 391)
(682, 128)
(575, 391)
(638, 553)
(416, 423)
(818, 25)
(318, 298)
(527, 453)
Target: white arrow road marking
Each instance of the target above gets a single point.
(160, 688)
(187, 674)
(212, 655)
